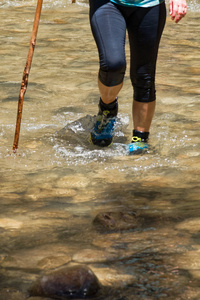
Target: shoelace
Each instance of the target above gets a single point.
(104, 120)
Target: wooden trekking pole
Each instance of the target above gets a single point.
(26, 74)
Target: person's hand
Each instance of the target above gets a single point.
(177, 9)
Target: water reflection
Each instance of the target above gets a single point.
(57, 183)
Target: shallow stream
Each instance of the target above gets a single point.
(54, 186)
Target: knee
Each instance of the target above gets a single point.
(114, 64)
(144, 88)
(112, 71)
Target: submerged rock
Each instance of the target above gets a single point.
(114, 221)
(11, 294)
(94, 256)
(75, 281)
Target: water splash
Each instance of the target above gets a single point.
(73, 141)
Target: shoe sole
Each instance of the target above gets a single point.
(101, 143)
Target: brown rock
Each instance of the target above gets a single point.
(75, 281)
(116, 221)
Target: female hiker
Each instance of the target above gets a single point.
(144, 21)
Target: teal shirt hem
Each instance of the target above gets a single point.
(139, 3)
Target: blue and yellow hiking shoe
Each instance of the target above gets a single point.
(139, 143)
(103, 131)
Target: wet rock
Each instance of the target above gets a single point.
(116, 221)
(53, 262)
(11, 294)
(74, 281)
(39, 257)
(191, 225)
(39, 298)
(189, 260)
(33, 144)
(10, 223)
(94, 256)
(36, 193)
(59, 21)
(110, 277)
(73, 181)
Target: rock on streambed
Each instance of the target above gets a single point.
(117, 221)
(74, 281)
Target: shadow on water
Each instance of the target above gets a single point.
(144, 263)
(47, 217)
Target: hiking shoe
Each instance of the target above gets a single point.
(139, 143)
(103, 131)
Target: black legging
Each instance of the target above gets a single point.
(145, 25)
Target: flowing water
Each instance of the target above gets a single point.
(54, 186)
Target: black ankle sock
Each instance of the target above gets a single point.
(143, 135)
(110, 106)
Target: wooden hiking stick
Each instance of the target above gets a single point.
(26, 73)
